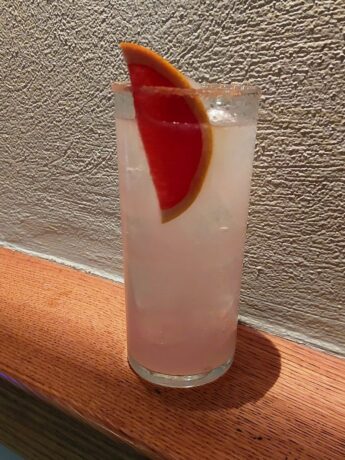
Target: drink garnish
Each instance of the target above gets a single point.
(174, 128)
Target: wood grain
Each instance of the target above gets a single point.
(62, 336)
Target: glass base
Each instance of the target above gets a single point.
(179, 381)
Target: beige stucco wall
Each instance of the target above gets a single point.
(58, 175)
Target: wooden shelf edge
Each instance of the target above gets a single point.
(62, 337)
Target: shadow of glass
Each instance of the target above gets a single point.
(255, 370)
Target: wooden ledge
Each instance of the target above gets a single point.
(62, 336)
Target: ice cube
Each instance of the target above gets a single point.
(220, 115)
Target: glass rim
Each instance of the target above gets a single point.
(207, 90)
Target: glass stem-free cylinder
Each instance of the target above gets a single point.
(183, 275)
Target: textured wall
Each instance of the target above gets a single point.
(58, 177)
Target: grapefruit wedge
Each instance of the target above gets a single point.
(174, 129)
